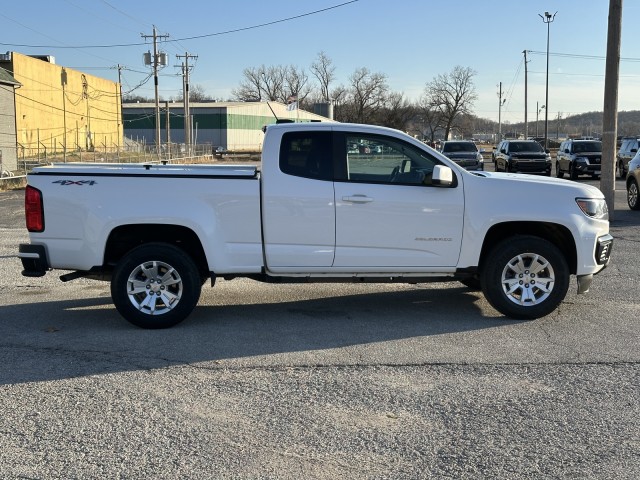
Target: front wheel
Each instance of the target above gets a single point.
(525, 277)
(559, 172)
(632, 195)
(573, 173)
(155, 285)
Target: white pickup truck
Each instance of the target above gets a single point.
(330, 202)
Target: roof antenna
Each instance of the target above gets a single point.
(278, 120)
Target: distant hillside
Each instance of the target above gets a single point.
(584, 124)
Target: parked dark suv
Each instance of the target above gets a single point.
(628, 150)
(579, 157)
(464, 153)
(522, 156)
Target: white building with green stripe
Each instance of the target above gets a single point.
(234, 126)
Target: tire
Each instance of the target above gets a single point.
(155, 285)
(559, 172)
(621, 173)
(573, 174)
(632, 194)
(525, 277)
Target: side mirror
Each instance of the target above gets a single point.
(634, 150)
(442, 176)
(546, 150)
(566, 150)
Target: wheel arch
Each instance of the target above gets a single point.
(124, 238)
(557, 234)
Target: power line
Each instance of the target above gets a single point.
(588, 57)
(226, 32)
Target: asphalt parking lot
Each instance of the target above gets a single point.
(319, 381)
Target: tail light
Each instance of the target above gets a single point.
(34, 209)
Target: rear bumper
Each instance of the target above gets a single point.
(34, 260)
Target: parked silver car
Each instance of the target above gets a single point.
(633, 179)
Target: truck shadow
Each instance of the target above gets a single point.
(54, 340)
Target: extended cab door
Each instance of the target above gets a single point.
(298, 209)
(388, 215)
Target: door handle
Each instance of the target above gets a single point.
(357, 199)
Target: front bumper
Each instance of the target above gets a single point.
(604, 246)
(603, 249)
(34, 260)
(587, 168)
(530, 166)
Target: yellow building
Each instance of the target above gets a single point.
(59, 110)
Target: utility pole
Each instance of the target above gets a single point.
(185, 99)
(119, 100)
(157, 60)
(526, 124)
(610, 115)
(168, 121)
(500, 103)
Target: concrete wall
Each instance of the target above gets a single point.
(8, 158)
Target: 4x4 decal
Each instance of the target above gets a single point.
(75, 182)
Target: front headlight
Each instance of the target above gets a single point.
(582, 160)
(594, 208)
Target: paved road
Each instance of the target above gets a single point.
(319, 381)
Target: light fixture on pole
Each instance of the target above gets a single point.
(548, 18)
(538, 110)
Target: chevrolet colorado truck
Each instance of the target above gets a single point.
(330, 202)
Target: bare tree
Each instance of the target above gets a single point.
(197, 93)
(272, 83)
(323, 69)
(250, 89)
(296, 84)
(340, 103)
(397, 112)
(367, 94)
(452, 95)
(429, 118)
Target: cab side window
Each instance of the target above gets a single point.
(381, 159)
(307, 154)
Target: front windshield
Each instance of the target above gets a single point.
(587, 147)
(459, 147)
(525, 147)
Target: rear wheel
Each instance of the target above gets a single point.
(632, 195)
(525, 277)
(155, 285)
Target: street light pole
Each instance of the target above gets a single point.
(548, 18)
(500, 103)
(538, 110)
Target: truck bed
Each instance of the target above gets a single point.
(148, 169)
